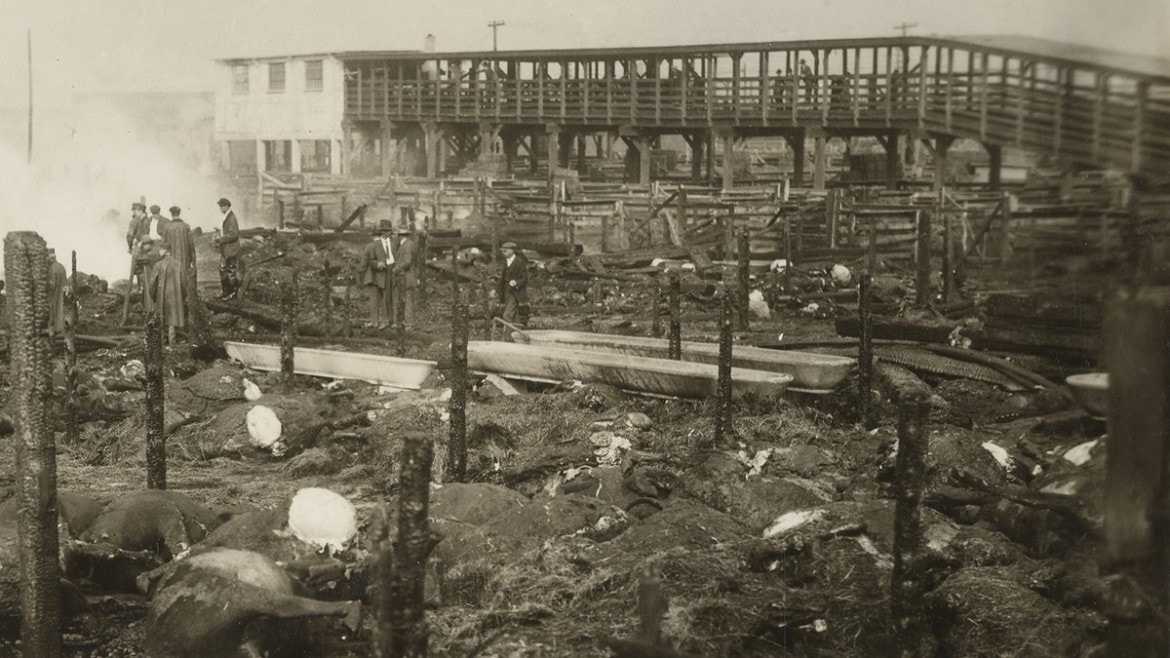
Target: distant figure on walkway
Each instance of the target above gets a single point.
(810, 82)
(231, 266)
(377, 268)
(513, 286)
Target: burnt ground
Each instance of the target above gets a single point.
(557, 566)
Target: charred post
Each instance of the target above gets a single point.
(488, 307)
(723, 428)
(743, 279)
(156, 440)
(72, 430)
(656, 309)
(675, 347)
(865, 350)
(27, 277)
(457, 406)
(406, 634)
(289, 303)
(907, 587)
(788, 255)
(922, 260)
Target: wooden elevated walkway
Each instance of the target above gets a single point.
(1081, 105)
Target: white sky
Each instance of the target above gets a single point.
(170, 44)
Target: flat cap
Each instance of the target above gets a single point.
(175, 210)
(508, 245)
(224, 202)
(138, 206)
(155, 208)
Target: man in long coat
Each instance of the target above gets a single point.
(377, 274)
(182, 247)
(166, 288)
(231, 266)
(406, 277)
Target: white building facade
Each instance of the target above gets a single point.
(281, 114)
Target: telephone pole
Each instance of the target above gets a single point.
(905, 27)
(495, 25)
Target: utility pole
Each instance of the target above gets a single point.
(905, 27)
(495, 25)
(30, 97)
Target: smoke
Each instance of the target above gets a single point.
(92, 160)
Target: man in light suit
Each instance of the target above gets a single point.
(377, 274)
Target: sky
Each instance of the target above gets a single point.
(121, 45)
(90, 162)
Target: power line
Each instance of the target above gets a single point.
(495, 25)
(904, 27)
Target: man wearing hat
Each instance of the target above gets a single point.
(406, 276)
(377, 268)
(156, 225)
(182, 248)
(137, 229)
(231, 266)
(513, 287)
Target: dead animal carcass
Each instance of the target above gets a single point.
(228, 602)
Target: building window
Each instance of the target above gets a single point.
(276, 77)
(278, 155)
(239, 78)
(315, 156)
(314, 75)
(241, 156)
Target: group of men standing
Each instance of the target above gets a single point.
(389, 273)
(163, 263)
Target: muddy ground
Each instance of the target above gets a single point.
(776, 543)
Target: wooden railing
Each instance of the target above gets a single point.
(1074, 108)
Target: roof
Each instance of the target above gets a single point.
(1113, 60)
(1034, 48)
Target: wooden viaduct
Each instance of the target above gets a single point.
(1081, 105)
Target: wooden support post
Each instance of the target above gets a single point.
(728, 160)
(156, 440)
(644, 153)
(457, 405)
(72, 428)
(656, 309)
(819, 158)
(892, 161)
(788, 255)
(697, 144)
(922, 259)
(1005, 234)
(948, 256)
(488, 304)
(865, 352)
(27, 275)
(907, 584)
(1137, 473)
(289, 304)
(995, 166)
(674, 349)
(743, 279)
(723, 423)
(798, 159)
(401, 601)
(432, 138)
(708, 138)
(581, 162)
(942, 144)
(552, 153)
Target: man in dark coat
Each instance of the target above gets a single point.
(231, 266)
(406, 277)
(377, 272)
(513, 287)
(166, 292)
(182, 248)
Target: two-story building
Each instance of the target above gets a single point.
(281, 114)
